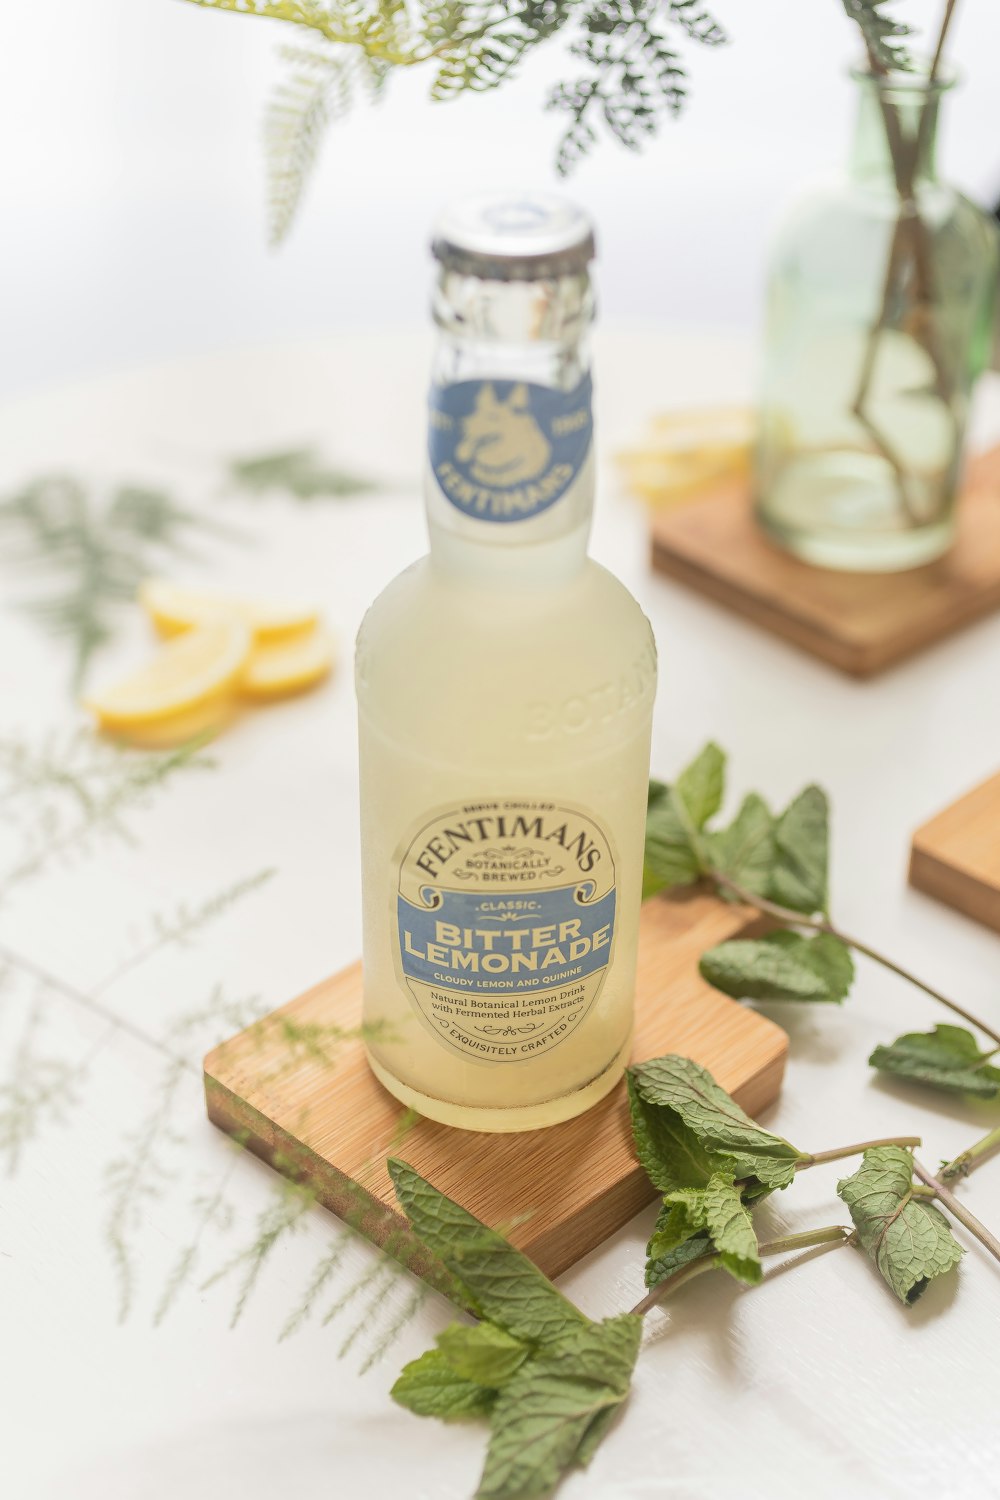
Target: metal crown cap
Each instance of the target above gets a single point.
(514, 237)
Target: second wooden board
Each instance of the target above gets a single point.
(859, 622)
(297, 1090)
(956, 856)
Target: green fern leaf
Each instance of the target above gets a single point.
(303, 106)
(92, 556)
(700, 26)
(636, 79)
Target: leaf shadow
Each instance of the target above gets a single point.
(810, 1037)
(979, 1114)
(705, 1311)
(936, 1299)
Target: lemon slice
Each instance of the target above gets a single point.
(202, 723)
(289, 666)
(173, 608)
(200, 667)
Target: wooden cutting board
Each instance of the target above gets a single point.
(859, 622)
(298, 1092)
(956, 856)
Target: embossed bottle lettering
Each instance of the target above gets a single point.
(505, 689)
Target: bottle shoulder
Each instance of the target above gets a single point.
(577, 659)
(425, 607)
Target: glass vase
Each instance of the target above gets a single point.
(879, 319)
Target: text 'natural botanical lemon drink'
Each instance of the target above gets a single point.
(505, 689)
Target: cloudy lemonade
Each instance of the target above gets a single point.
(505, 689)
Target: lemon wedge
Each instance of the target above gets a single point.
(174, 608)
(199, 670)
(288, 666)
(689, 453)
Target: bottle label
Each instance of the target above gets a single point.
(505, 450)
(505, 924)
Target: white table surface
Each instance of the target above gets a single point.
(817, 1383)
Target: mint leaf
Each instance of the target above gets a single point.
(431, 1387)
(504, 1286)
(669, 1153)
(908, 1239)
(556, 1409)
(802, 849)
(745, 850)
(483, 1353)
(781, 966)
(719, 1210)
(659, 1267)
(594, 1436)
(947, 1058)
(720, 1127)
(701, 785)
(675, 816)
(669, 859)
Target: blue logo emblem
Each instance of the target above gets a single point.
(506, 450)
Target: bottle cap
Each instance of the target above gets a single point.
(514, 237)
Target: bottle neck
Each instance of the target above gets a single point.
(510, 476)
(895, 138)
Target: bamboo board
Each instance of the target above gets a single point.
(559, 1192)
(956, 856)
(859, 622)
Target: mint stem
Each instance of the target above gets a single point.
(959, 1211)
(967, 1161)
(792, 918)
(832, 1234)
(839, 1152)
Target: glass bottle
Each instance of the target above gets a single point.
(879, 319)
(505, 690)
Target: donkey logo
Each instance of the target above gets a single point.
(501, 441)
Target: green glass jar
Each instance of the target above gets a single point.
(879, 319)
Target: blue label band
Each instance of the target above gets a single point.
(485, 944)
(506, 450)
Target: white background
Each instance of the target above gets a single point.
(132, 197)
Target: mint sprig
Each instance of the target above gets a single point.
(547, 1377)
(779, 864)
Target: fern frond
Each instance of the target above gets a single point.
(303, 105)
(94, 555)
(487, 44)
(636, 79)
(307, 13)
(699, 25)
(300, 472)
(385, 29)
(878, 31)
